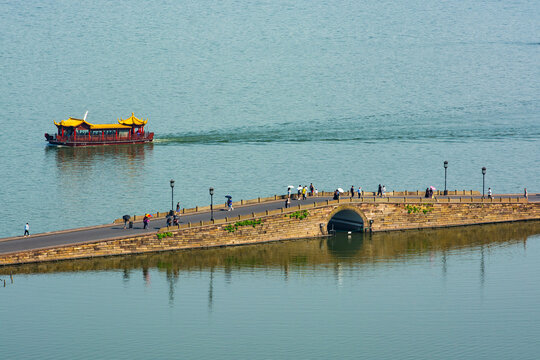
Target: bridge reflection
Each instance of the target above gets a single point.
(356, 250)
(342, 253)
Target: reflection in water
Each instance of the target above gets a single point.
(211, 290)
(82, 159)
(358, 250)
(340, 253)
(344, 246)
(172, 279)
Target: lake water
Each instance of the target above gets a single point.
(461, 293)
(249, 97)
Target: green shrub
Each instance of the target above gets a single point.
(162, 235)
(300, 214)
(233, 227)
(416, 209)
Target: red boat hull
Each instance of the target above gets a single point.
(97, 141)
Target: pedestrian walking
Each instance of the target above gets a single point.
(287, 203)
(229, 204)
(359, 192)
(317, 192)
(379, 190)
(26, 230)
(304, 193)
(311, 189)
(178, 206)
(169, 220)
(352, 191)
(126, 219)
(384, 190)
(289, 192)
(525, 194)
(146, 220)
(489, 193)
(299, 191)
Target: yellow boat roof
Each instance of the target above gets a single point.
(122, 123)
(132, 120)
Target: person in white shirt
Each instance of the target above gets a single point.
(26, 230)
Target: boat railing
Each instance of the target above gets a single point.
(100, 138)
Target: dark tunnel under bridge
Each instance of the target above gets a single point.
(346, 220)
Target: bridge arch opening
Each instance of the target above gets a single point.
(346, 219)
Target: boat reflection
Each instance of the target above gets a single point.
(67, 157)
(123, 160)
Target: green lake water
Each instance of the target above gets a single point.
(249, 97)
(469, 293)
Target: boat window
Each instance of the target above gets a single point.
(82, 132)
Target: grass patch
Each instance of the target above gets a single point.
(233, 227)
(300, 214)
(413, 209)
(163, 235)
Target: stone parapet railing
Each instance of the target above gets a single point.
(365, 194)
(348, 200)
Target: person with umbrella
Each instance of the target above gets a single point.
(229, 202)
(289, 190)
(126, 219)
(146, 220)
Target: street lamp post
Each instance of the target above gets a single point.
(445, 168)
(211, 191)
(483, 180)
(172, 194)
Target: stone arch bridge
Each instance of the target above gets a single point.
(302, 221)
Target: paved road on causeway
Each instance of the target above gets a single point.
(75, 236)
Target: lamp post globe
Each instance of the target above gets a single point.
(483, 180)
(445, 168)
(172, 194)
(211, 191)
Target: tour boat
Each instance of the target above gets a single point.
(79, 132)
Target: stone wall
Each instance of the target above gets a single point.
(283, 225)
